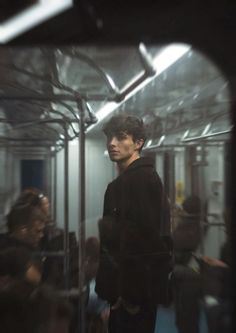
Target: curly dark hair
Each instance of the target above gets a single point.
(21, 215)
(125, 123)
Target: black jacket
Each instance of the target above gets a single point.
(135, 237)
(22, 255)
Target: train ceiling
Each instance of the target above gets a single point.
(44, 89)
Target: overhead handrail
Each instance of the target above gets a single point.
(205, 136)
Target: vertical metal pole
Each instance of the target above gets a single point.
(66, 210)
(81, 226)
(55, 189)
(202, 191)
(49, 180)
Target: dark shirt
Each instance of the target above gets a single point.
(135, 222)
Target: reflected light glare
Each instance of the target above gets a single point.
(73, 142)
(169, 56)
(30, 17)
(161, 62)
(162, 138)
(149, 143)
(206, 129)
(185, 134)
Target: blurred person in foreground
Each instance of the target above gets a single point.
(26, 308)
(97, 310)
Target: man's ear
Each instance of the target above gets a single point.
(139, 143)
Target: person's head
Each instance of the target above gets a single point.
(34, 197)
(125, 138)
(26, 223)
(192, 205)
(92, 247)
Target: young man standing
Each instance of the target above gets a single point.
(134, 233)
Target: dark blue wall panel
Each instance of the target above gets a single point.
(32, 174)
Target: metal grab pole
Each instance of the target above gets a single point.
(55, 190)
(66, 210)
(81, 226)
(49, 173)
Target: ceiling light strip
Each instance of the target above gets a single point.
(31, 17)
(161, 62)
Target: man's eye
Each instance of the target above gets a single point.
(121, 136)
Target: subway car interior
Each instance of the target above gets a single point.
(54, 101)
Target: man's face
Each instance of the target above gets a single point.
(35, 232)
(45, 205)
(121, 147)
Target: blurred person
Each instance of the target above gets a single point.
(135, 251)
(187, 283)
(25, 308)
(52, 240)
(17, 263)
(187, 232)
(34, 197)
(217, 283)
(25, 226)
(97, 309)
(20, 245)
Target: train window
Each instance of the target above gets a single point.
(55, 100)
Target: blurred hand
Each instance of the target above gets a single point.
(105, 314)
(214, 262)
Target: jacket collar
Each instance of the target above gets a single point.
(141, 162)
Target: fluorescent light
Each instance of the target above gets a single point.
(169, 56)
(161, 62)
(31, 17)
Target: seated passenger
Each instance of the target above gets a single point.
(187, 288)
(187, 234)
(25, 225)
(19, 246)
(52, 241)
(34, 197)
(217, 284)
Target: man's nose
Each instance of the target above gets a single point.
(112, 141)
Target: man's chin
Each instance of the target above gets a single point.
(114, 158)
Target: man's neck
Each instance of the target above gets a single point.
(123, 165)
